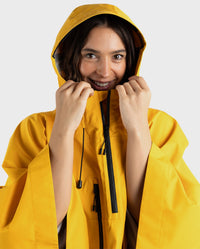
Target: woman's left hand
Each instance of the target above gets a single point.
(134, 100)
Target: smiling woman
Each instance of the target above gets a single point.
(77, 38)
(104, 170)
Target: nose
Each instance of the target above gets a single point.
(104, 67)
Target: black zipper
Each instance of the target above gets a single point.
(97, 208)
(109, 155)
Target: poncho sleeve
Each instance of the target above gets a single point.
(170, 207)
(27, 206)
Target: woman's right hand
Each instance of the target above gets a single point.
(71, 100)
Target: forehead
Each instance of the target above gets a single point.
(104, 38)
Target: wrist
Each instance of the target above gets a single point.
(59, 142)
(138, 130)
(62, 132)
(141, 137)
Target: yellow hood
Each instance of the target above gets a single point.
(85, 12)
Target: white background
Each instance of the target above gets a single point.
(170, 64)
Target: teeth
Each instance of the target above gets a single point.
(101, 84)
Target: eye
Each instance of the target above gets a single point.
(90, 56)
(118, 57)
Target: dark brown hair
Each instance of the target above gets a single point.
(68, 52)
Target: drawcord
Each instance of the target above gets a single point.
(79, 183)
(109, 157)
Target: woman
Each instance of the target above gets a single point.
(103, 158)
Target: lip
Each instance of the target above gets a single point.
(101, 85)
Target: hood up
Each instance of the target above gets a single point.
(84, 12)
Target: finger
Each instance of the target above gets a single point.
(80, 87)
(132, 77)
(86, 93)
(128, 88)
(135, 85)
(67, 86)
(140, 81)
(121, 90)
(143, 83)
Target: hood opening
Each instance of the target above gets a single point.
(67, 35)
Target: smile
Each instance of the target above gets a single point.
(99, 85)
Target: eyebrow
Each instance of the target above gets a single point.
(97, 52)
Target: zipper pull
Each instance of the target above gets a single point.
(101, 149)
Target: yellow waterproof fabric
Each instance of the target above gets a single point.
(170, 208)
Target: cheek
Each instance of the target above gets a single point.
(81, 68)
(86, 68)
(121, 70)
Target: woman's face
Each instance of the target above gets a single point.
(103, 59)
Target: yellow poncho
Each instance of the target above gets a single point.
(170, 207)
